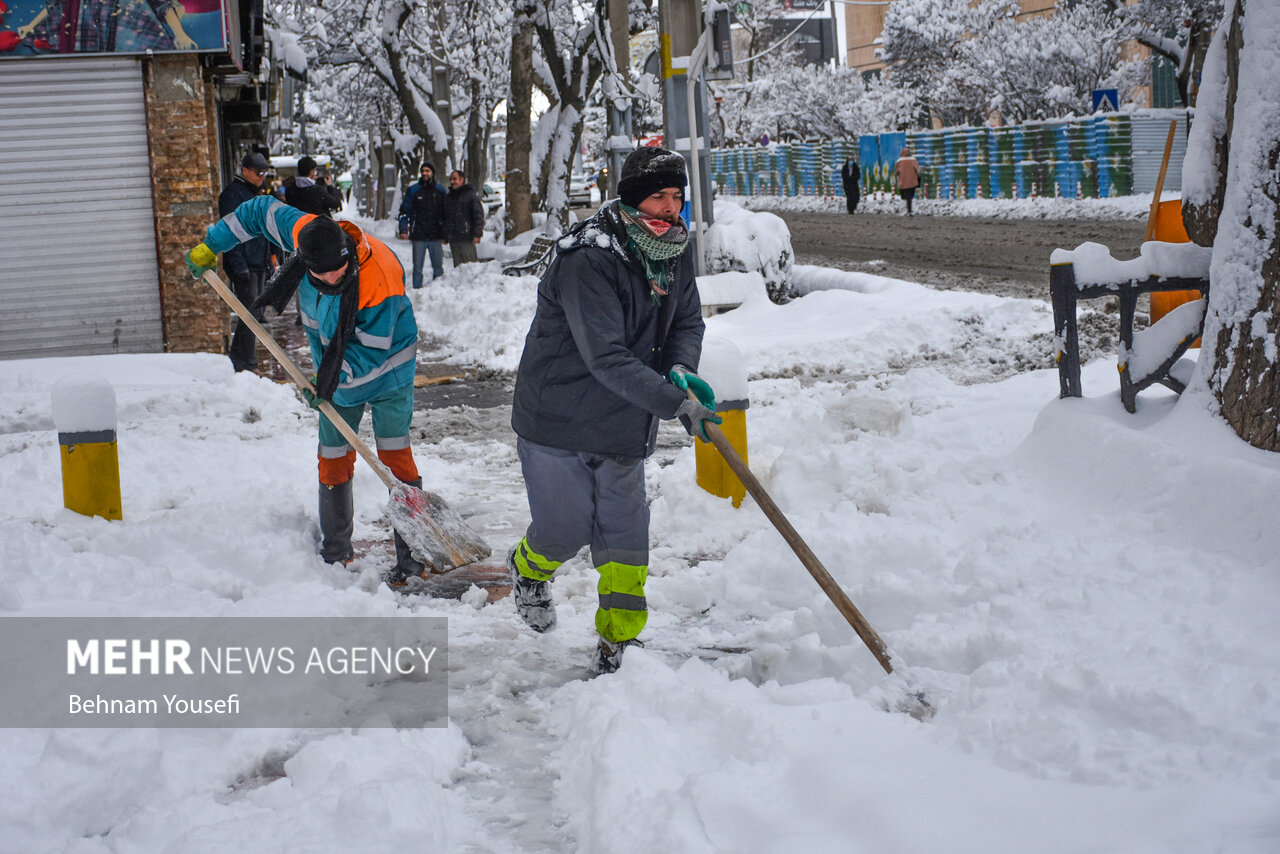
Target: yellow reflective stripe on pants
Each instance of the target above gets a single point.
(530, 564)
(623, 610)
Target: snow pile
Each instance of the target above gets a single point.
(83, 403)
(1094, 265)
(729, 290)
(744, 241)
(1153, 345)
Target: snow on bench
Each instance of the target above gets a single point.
(1089, 271)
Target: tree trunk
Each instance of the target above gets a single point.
(519, 130)
(475, 163)
(1244, 301)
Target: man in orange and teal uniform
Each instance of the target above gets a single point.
(363, 340)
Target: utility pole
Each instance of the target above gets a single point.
(684, 102)
(620, 128)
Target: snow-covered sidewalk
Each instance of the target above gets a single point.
(1088, 597)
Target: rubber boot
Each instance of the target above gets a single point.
(532, 598)
(407, 566)
(336, 523)
(607, 657)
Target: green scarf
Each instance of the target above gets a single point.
(656, 243)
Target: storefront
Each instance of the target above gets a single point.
(113, 148)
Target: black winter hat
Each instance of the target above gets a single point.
(427, 164)
(306, 164)
(324, 246)
(648, 170)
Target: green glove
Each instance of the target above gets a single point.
(309, 396)
(201, 259)
(686, 380)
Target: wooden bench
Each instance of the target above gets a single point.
(1147, 357)
(536, 260)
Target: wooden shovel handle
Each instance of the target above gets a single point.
(819, 572)
(299, 378)
(1155, 197)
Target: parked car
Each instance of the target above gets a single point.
(583, 192)
(493, 197)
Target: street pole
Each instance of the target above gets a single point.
(619, 144)
(680, 25)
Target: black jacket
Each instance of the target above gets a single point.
(851, 176)
(422, 211)
(252, 254)
(318, 198)
(593, 375)
(463, 215)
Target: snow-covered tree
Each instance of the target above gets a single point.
(573, 37)
(1231, 201)
(1172, 29)
(475, 39)
(969, 60)
(391, 39)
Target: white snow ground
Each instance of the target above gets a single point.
(1087, 597)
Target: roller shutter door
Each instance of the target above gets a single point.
(78, 271)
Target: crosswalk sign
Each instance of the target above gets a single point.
(1106, 100)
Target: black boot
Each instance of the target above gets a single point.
(407, 566)
(336, 523)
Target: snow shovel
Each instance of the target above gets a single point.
(819, 572)
(434, 531)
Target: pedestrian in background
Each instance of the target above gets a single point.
(310, 194)
(247, 263)
(463, 219)
(851, 180)
(907, 170)
(422, 221)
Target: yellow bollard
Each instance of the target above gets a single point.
(722, 366)
(84, 413)
(714, 474)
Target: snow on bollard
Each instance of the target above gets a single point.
(723, 369)
(84, 414)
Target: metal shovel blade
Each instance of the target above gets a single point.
(433, 530)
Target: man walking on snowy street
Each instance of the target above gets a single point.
(614, 343)
(363, 340)
(851, 181)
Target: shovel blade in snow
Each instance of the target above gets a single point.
(433, 530)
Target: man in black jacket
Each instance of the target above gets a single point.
(851, 181)
(422, 221)
(463, 219)
(614, 343)
(246, 264)
(309, 194)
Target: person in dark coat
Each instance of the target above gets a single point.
(422, 221)
(247, 263)
(614, 344)
(463, 219)
(309, 194)
(851, 180)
